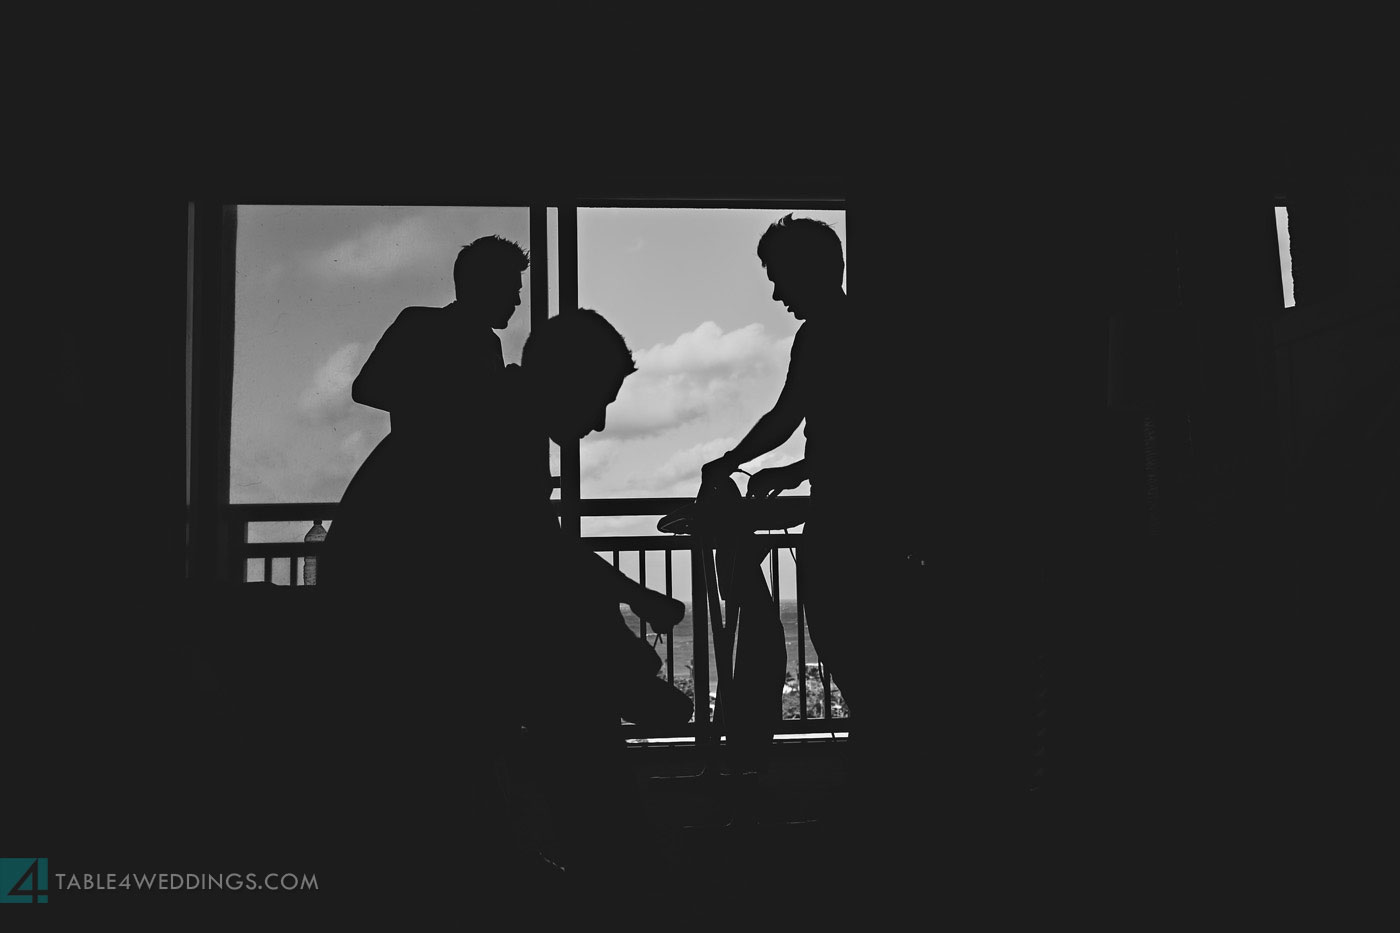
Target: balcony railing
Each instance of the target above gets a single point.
(285, 562)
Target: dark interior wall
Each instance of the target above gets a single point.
(1000, 246)
(102, 513)
(1262, 586)
(1338, 365)
(1179, 669)
(1337, 346)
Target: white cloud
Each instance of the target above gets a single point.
(327, 399)
(679, 474)
(683, 466)
(356, 447)
(595, 456)
(708, 349)
(315, 465)
(699, 373)
(599, 525)
(380, 251)
(649, 405)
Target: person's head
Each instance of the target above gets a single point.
(488, 275)
(804, 262)
(578, 361)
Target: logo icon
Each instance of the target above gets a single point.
(24, 881)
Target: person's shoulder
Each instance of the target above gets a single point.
(417, 319)
(421, 313)
(408, 317)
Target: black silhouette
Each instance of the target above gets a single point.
(749, 698)
(850, 574)
(483, 618)
(1000, 232)
(432, 370)
(563, 599)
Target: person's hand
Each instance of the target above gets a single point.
(661, 612)
(716, 471)
(768, 483)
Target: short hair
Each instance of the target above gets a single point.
(576, 346)
(488, 252)
(803, 243)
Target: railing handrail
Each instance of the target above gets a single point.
(701, 728)
(282, 511)
(658, 542)
(297, 511)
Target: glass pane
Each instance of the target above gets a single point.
(552, 223)
(316, 286)
(1285, 255)
(687, 291)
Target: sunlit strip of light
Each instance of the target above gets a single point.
(1285, 255)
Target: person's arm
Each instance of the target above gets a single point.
(768, 433)
(387, 377)
(767, 483)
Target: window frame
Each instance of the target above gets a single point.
(211, 237)
(572, 504)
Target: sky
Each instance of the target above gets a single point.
(317, 286)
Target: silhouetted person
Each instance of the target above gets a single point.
(571, 663)
(432, 370)
(750, 646)
(482, 617)
(851, 574)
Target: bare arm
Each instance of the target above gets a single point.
(768, 433)
(767, 483)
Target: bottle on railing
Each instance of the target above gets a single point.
(316, 535)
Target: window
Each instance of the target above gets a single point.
(1285, 255)
(686, 289)
(315, 288)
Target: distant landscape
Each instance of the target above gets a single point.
(683, 647)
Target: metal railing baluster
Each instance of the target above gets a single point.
(670, 644)
(801, 651)
(700, 646)
(642, 580)
(778, 604)
(826, 696)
